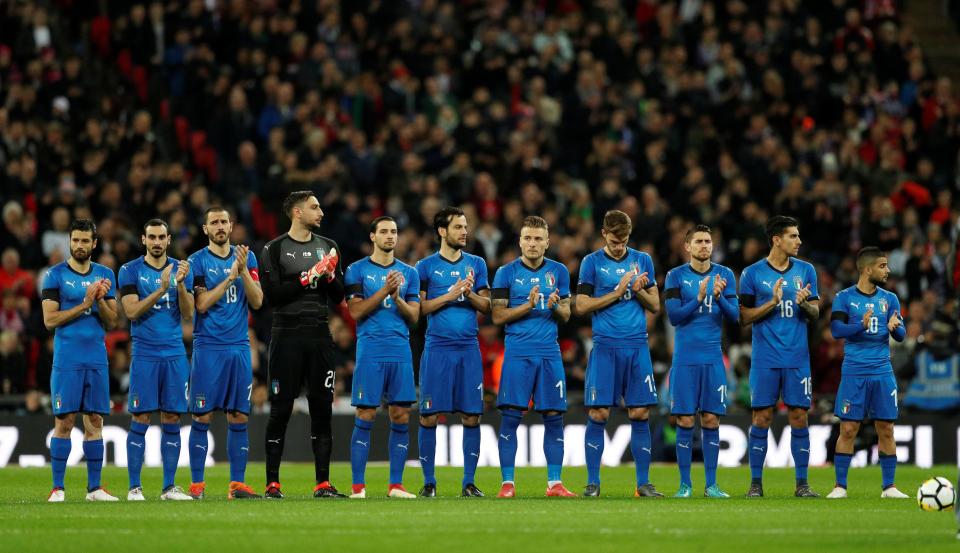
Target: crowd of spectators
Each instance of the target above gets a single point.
(721, 112)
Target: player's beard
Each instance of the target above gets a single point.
(311, 225)
(455, 244)
(219, 239)
(701, 258)
(386, 248)
(877, 281)
(79, 255)
(156, 253)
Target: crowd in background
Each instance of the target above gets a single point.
(720, 112)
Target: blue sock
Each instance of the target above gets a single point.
(507, 442)
(198, 450)
(399, 445)
(238, 447)
(888, 469)
(758, 452)
(427, 443)
(553, 445)
(170, 452)
(93, 451)
(360, 449)
(685, 453)
(471, 453)
(59, 452)
(800, 447)
(640, 447)
(136, 442)
(711, 453)
(593, 442)
(841, 464)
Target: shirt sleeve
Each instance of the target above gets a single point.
(253, 266)
(413, 288)
(127, 282)
(199, 272)
(50, 288)
(352, 282)
(112, 293)
(748, 292)
(587, 283)
(647, 266)
(501, 284)
(563, 282)
(812, 280)
(188, 281)
(839, 310)
(481, 281)
(423, 273)
(894, 311)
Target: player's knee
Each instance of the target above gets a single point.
(709, 420)
(169, 418)
(638, 413)
(470, 420)
(884, 430)
(429, 421)
(63, 425)
(685, 421)
(142, 418)
(367, 415)
(599, 415)
(281, 410)
(848, 431)
(400, 416)
(236, 417)
(798, 418)
(204, 418)
(762, 418)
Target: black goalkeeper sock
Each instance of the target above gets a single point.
(280, 411)
(321, 437)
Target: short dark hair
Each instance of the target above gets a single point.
(156, 222)
(866, 256)
(445, 216)
(777, 225)
(294, 199)
(378, 220)
(695, 229)
(84, 225)
(214, 209)
(533, 221)
(617, 223)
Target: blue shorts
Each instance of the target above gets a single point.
(159, 384)
(388, 380)
(698, 388)
(85, 390)
(620, 375)
(767, 385)
(867, 397)
(540, 378)
(451, 380)
(221, 380)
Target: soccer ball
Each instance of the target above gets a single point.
(936, 494)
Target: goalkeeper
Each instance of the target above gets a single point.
(303, 280)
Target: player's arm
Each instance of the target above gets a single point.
(435, 304)
(840, 324)
(480, 300)
(725, 297)
(360, 307)
(500, 309)
(133, 306)
(895, 322)
(648, 296)
(250, 285)
(205, 299)
(184, 295)
(410, 311)
(561, 309)
(585, 303)
(679, 311)
(278, 290)
(109, 312)
(53, 317)
(750, 313)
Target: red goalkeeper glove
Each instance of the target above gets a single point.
(326, 267)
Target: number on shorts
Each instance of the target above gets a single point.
(249, 391)
(723, 393)
(893, 394)
(807, 384)
(328, 382)
(186, 391)
(559, 386)
(649, 381)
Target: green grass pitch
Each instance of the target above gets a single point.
(617, 522)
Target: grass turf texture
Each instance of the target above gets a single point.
(616, 522)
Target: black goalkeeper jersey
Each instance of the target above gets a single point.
(295, 306)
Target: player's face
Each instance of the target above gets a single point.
(385, 237)
(616, 245)
(534, 243)
(456, 232)
(81, 245)
(878, 272)
(156, 240)
(309, 213)
(700, 246)
(789, 241)
(218, 227)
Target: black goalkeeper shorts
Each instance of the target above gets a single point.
(299, 359)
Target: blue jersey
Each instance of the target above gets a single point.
(780, 338)
(699, 324)
(382, 334)
(535, 334)
(454, 324)
(224, 325)
(624, 323)
(157, 333)
(866, 353)
(79, 342)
